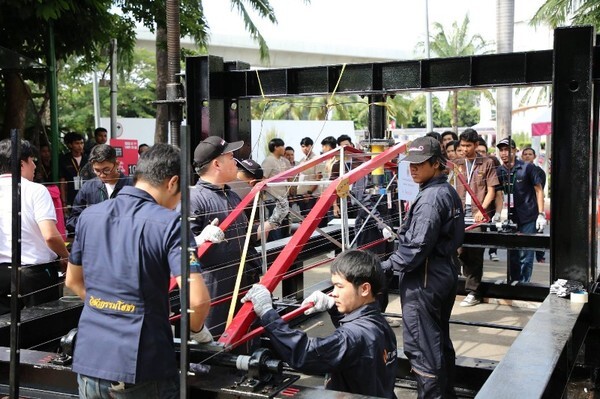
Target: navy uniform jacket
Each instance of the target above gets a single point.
(69, 170)
(128, 247)
(521, 182)
(221, 262)
(93, 192)
(360, 356)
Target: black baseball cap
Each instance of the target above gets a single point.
(251, 167)
(212, 147)
(504, 141)
(423, 148)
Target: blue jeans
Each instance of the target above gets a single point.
(97, 388)
(521, 262)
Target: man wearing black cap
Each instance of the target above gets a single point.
(211, 198)
(524, 196)
(428, 239)
(251, 172)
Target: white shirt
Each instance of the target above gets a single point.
(36, 206)
(310, 174)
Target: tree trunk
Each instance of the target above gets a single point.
(162, 67)
(16, 103)
(505, 20)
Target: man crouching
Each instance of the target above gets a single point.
(360, 356)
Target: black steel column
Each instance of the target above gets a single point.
(572, 169)
(204, 88)
(237, 111)
(377, 117)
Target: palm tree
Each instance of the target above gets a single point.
(458, 43)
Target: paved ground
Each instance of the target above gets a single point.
(469, 341)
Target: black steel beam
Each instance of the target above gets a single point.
(571, 254)
(506, 240)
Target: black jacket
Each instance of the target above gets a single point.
(360, 355)
(93, 192)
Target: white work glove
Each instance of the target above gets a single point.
(322, 302)
(203, 336)
(541, 222)
(211, 233)
(497, 220)
(388, 234)
(260, 297)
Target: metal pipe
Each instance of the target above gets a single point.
(52, 91)
(113, 88)
(15, 275)
(174, 68)
(188, 253)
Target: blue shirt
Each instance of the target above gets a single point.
(129, 248)
(521, 182)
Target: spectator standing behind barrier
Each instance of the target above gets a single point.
(274, 164)
(309, 193)
(69, 168)
(482, 150)
(124, 253)
(41, 243)
(332, 172)
(447, 137)
(289, 155)
(528, 156)
(360, 356)
(522, 184)
(480, 175)
(210, 199)
(428, 239)
(100, 137)
(142, 148)
(108, 182)
(43, 175)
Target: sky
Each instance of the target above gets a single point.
(386, 28)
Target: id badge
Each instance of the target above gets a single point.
(77, 182)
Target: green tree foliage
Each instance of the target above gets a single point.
(81, 28)
(555, 13)
(456, 43)
(136, 93)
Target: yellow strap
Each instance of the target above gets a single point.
(330, 104)
(238, 280)
(262, 93)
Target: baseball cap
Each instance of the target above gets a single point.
(423, 148)
(504, 141)
(212, 147)
(251, 167)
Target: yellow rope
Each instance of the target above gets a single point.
(262, 92)
(238, 280)
(330, 104)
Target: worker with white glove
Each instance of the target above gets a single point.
(522, 185)
(211, 233)
(388, 234)
(362, 334)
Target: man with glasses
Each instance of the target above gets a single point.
(108, 182)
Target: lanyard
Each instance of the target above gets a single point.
(469, 172)
(507, 181)
(75, 165)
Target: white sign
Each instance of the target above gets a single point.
(407, 188)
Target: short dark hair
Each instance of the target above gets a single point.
(452, 143)
(101, 153)
(530, 149)
(27, 151)
(288, 148)
(343, 137)
(71, 137)
(450, 132)
(276, 142)
(141, 146)
(469, 135)
(330, 141)
(99, 130)
(161, 162)
(441, 160)
(481, 141)
(359, 267)
(306, 141)
(435, 135)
